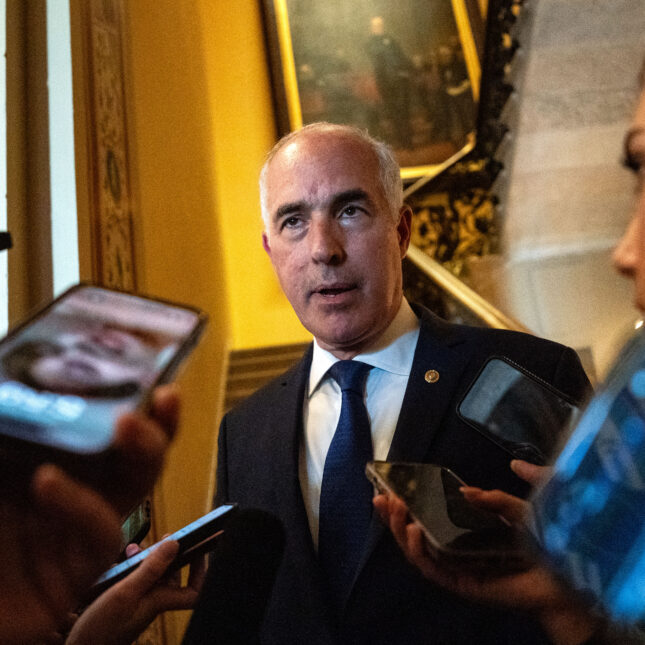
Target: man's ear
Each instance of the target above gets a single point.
(265, 243)
(404, 228)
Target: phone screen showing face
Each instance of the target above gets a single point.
(517, 410)
(455, 529)
(93, 354)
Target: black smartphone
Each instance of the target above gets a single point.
(136, 525)
(78, 364)
(196, 538)
(517, 410)
(456, 532)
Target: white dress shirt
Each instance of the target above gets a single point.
(391, 357)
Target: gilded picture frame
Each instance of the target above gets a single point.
(408, 72)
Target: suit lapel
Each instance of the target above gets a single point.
(426, 399)
(287, 430)
(436, 368)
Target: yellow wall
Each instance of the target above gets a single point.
(201, 123)
(239, 92)
(179, 240)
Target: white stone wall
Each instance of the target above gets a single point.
(569, 198)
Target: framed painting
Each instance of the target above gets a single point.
(408, 71)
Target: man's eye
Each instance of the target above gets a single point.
(350, 211)
(291, 222)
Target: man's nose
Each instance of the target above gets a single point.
(326, 241)
(626, 252)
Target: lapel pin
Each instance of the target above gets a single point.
(432, 376)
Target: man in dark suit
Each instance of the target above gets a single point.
(336, 231)
(393, 73)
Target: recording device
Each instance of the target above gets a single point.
(194, 539)
(85, 359)
(517, 410)
(239, 581)
(588, 517)
(457, 532)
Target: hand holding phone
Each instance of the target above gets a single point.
(68, 373)
(456, 531)
(124, 611)
(194, 539)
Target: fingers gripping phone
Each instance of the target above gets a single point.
(70, 371)
(196, 538)
(457, 532)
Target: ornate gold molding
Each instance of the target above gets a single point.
(108, 168)
(111, 199)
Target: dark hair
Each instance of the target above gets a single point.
(17, 364)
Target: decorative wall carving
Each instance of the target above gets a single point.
(454, 227)
(113, 247)
(456, 215)
(111, 214)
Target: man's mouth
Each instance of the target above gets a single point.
(332, 290)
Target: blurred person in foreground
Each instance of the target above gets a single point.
(564, 616)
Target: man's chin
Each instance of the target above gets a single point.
(342, 342)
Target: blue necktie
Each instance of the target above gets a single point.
(346, 494)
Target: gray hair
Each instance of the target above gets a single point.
(389, 170)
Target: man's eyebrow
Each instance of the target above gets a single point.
(288, 209)
(351, 195)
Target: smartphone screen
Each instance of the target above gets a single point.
(455, 530)
(518, 411)
(91, 355)
(589, 517)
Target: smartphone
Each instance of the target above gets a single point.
(588, 516)
(196, 538)
(70, 371)
(517, 410)
(137, 524)
(456, 532)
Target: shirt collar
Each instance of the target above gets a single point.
(393, 351)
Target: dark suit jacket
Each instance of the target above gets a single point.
(390, 602)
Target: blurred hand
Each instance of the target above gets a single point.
(141, 441)
(58, 535)
(121, 613)
(55, 541)
(529, 472)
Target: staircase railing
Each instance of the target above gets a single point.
(460, 292)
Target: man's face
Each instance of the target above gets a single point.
(333, 241)
(94, 356)
(629, 256)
